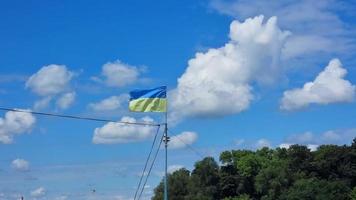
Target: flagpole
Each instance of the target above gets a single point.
(166, 140)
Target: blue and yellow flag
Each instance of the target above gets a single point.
(151, 100)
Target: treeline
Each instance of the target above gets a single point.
(295, 173)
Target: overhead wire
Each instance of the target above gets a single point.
(190, 147)
(77, 117)
(152, 164)
(149, 171)
(147, 160)
(119, 122)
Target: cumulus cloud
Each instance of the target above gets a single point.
(312, 140)
(239, 142)
(39, 192)
(66, 100)
(112, 133)
(173, 168)
(118, 74)
(170, 169)
(312, 147)
(302, 138)
(15, 123)
(63, 197)
(50, 80)
(263, 143)
(318, 29)
(182, 140)
(20, 165)
(328, 87)
(42, 103)
(285, 145)
(111, 103)
(218, 82)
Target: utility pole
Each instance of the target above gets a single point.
(166, 140)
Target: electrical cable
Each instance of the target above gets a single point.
(77, 117)
(149, 171)
(189, 147)
(148, 158)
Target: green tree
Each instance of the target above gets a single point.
(315, 189)
(204, 182)
(178, 186)
(267, 174)
(273, 180)
(353, 194)
(240, 197)
(299, 159)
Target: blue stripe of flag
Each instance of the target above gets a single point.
(160, 92)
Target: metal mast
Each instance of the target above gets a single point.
(166, 140)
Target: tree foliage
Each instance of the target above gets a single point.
(269, 174)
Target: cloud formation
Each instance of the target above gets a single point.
(39, 192)
(112, 133)
(262, 143)
(218, 82)
(42, 103)
(63, 197)
(319, 29)
(173, 168)
(328, 87)
(20, 165)
(312, 140)
(50, 80)
(118, 74)
(182, 140)
(111, 103)
(15, 123)
(66, 100)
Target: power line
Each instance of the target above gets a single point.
(148, 158)
(190, 147)
(77, 117)
(149, 171)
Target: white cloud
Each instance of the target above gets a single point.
(303, 138)
(182, 140)
(218, 82)
(239, 142)
(42, 103)
(20, 165)
(39, 192)
(118, 74)
(173, 168)
(15, 123)
(312, 141)
(170, 169)
(66, 100)
(285, 145)
(50, 80)
(328, 87)
(112, 133)
(332, 136)
(316, 25)
(263, 143)
(312, 147)
(111, 103)
(64, 197)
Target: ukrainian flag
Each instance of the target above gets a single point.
(151, 100)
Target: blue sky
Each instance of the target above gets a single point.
(267, 81)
